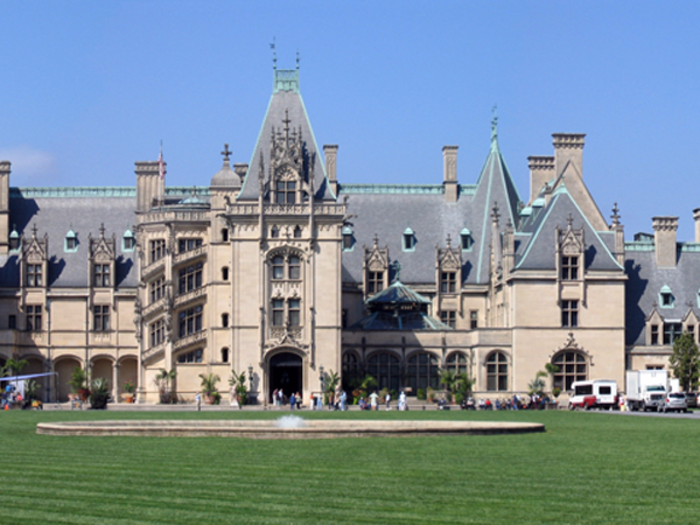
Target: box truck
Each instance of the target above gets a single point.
(646, 389)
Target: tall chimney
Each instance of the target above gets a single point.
(568, 147)
(696, 216)
(330, 154)
(665, 229)
(449, 156)
(541, 172)
(4, 206)
(147, 182)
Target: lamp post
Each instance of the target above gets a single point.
(250, 379)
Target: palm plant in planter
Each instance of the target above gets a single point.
(129, 389)
(164, 382)
(100, 393)
(237, 383)
(211, 393)
(78, 384)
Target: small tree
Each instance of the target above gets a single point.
(237, 382)
(537, 386)
(463, 387)
(552, 369)
(164, 382)
(209, 387)
(331, 382)
(685, 362)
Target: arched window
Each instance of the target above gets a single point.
(294, 268)
(456, 363)
(572, 367)
(278, 267)
(297, 232)
(224, 234)
(384, 367)
(497, 372)
(275, 232)
(224, 355)
(352, 373)
(423, 371)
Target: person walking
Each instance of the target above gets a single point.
(373, 397)
(292, 401)
(198, 401)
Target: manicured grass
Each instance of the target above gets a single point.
(587, 468)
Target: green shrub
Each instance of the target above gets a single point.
(100, 394)
(420, 394)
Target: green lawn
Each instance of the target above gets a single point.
(586, 468)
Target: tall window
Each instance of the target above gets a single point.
(186, 245)
(278, 267)
(572, 367)
(277, 312)
(224, 355)
(293, 310)
(190, 278)
(672, 331)
(569, 313)
(286, 192)
(297, 232)
(294, 268)
(474, 319)
(101, 275)
(100, 318)
(449, 317)
(384, 367)
(224, 273)
(497, 372)
(448, 282)
(157, 332)
(375, 282)
(224, 237)
(654, 334)
(191, 321)
(33, 317)
(289, 269)
(456, 363)
(423, 371)
(569, 267)
(156, 249)
(157, 289)
(224, 320)
(34, 277)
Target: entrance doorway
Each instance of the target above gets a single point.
(285, 373)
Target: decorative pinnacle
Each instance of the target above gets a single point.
(495, 215)
(102, 229)
(286, 122)
(570, 220)
(34, 230)
(494, 124)
(274, 53)
(375, 240)
(616, 215)
(449, 241)
(298, 59)
(226, 153)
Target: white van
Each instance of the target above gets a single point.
(601, 393)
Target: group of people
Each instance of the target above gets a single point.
(371, 402)
(316, 401)
(534, 402)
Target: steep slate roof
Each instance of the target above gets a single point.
(541, 250)
(55, 211)
(286, 99)
(645, 280)
(387, 210)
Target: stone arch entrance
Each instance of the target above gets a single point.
(64, 368)
(286, 372)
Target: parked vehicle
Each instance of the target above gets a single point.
(675, 402)
(601, 393)
(646, 389)
(691, 398)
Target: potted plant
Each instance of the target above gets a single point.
(100, 394)
(164, 382)
(209, 388)
(129, 389)
(78, 385)
(238, 387)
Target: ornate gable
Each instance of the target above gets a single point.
(449, 258)
(102, 250)
(35, 250)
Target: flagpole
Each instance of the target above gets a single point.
(161, 174)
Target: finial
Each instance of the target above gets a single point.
(495, 215)
(494, 124)
(449, 241)
(616, 215)
(34, 229)
(286, 122)
(396, 266)
(570, 220)
(375, 240)
(102, 229)
(226, 153)
(298, 59)
(274, 53)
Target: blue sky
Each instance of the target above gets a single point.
(90, 87)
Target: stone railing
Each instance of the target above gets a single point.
(173, 215)
(152, 268)
(190, 340)
(153, 307)
(191, 254)
(190, 296)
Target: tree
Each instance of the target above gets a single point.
(164, 381)
(685, 362)
(448, 379)
(237, 382)
(13, 367)
(331, 382)
(537, 386)
(551, 369)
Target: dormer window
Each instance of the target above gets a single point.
(70, 242)
(569, 267)
(34, 275)
(128, 241)
(665, 297)
(409, 240)
(14, 240)
(347, 239)
(286, 191)
(466, 240)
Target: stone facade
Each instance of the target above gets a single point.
(279, 271)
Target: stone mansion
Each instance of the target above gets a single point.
(279, 270)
